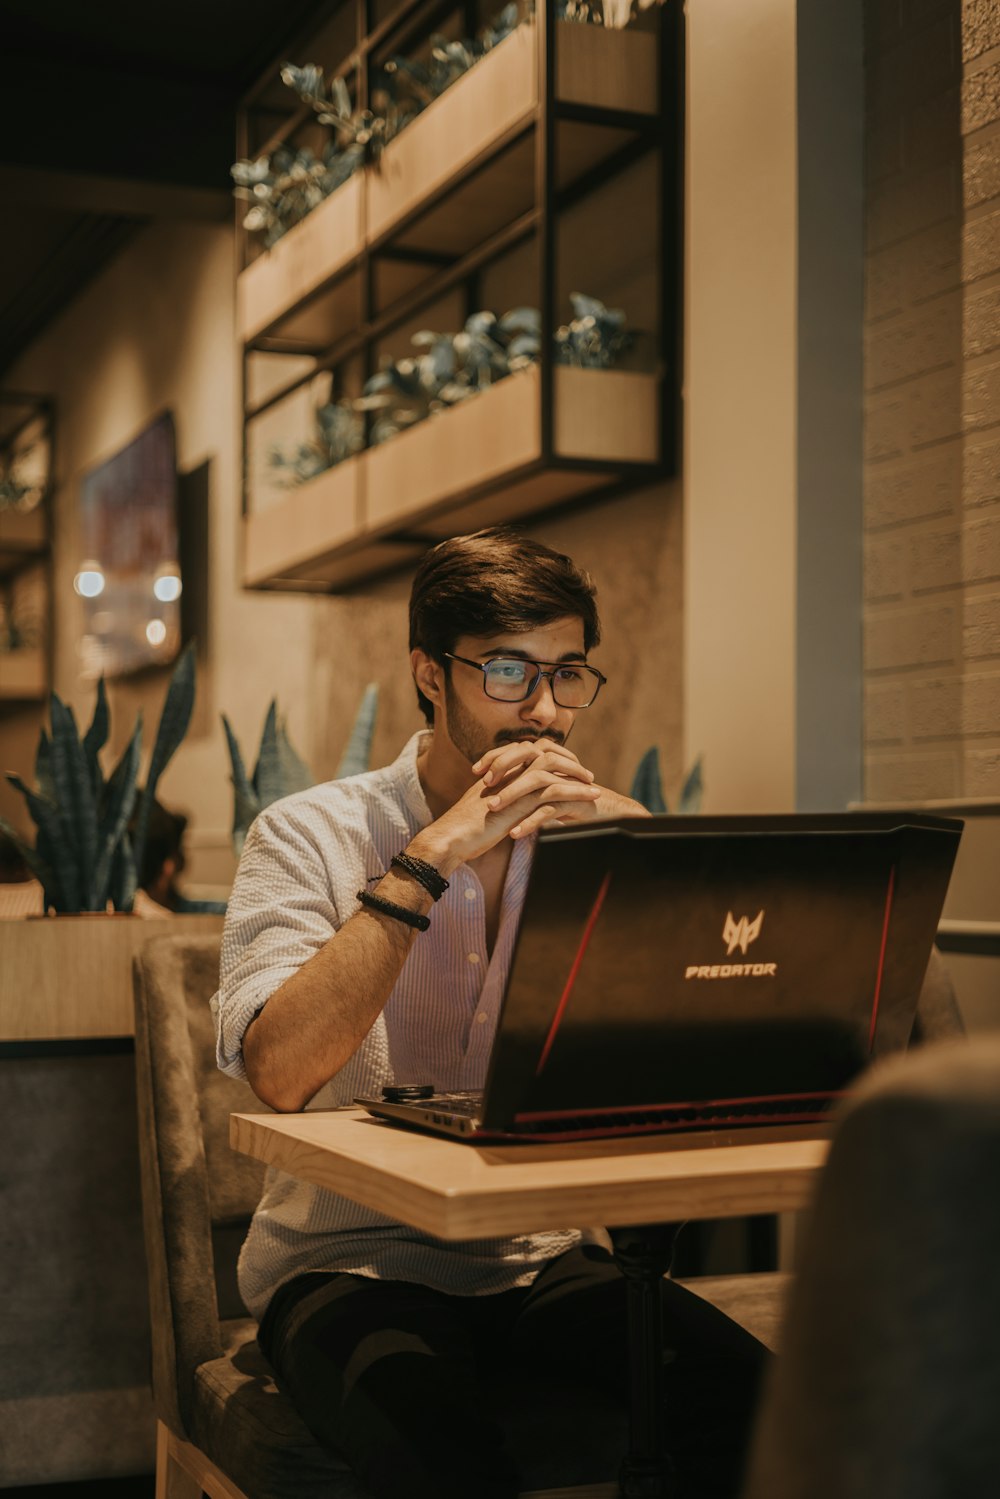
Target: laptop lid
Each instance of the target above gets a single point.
(674, 960)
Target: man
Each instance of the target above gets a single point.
(368, 941)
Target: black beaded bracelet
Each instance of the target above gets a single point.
(425, 874)
(390, 908)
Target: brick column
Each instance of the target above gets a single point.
(932, 403)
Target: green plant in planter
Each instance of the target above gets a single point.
(447, 369)
(611, 13)
(17, 496)
(457, 366)
(280, 771)
(406, 86)
(596, 336)
(587, 12)
(285, 186)
(647, 786)
(340, 432)
(83, 853)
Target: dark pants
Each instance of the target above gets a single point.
(388, 1374)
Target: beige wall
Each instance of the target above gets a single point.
(156, 332)
(740, 384)
(932, 478)
(699, 579)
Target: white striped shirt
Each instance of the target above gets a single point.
(304, 861)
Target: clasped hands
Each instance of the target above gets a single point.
(521, 787)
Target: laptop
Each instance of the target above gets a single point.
(677, 973)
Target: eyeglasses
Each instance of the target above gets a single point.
(511, 679)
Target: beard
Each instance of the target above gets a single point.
(472, 739)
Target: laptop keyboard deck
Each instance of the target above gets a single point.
(464, 1110)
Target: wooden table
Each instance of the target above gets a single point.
(458, 1191)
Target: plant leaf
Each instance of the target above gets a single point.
(295, 773)
(177, 708)
(267, 783)
(77, 808)
(357, 755)
(117, 811)
(280, 770)
(245, 803)
(40, 868)
(691, 792)
(43, 767)
(647, 786)
(124, 875)
(96, 738)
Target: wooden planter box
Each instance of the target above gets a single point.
(23, 675)
(493, 98)
(460, 171)
(606, 415)
(312, 252)
(492, 102)
(70, 977)
(607, 69)
(478, 464)
(496, 98)
(22, 534)
(303, 528)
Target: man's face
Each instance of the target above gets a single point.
(476, 723)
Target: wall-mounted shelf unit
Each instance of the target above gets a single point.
(550, 167)
(26, 467)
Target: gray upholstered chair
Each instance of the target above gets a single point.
(938, 1015)
(224, 1427)
(889, 1380)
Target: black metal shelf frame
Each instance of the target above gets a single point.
(40, 409)
(662, 132)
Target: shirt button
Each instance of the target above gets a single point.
(473, 957)
(470, 894)
(480, 1018)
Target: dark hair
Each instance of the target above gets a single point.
(492, 582)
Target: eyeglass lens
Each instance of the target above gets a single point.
(511, 680)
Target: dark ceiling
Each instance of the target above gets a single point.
(112, 114)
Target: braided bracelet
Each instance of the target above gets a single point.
(425, 874)
(390, 908)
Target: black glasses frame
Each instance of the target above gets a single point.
(484, 666)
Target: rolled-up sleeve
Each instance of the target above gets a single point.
(282, 910)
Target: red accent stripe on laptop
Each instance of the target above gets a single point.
(588, 932)
(881, 956)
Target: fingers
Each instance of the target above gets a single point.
(497, 764)
(577, 811)
(538, 780)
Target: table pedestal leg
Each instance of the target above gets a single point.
(643, 1255)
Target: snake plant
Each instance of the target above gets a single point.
(647, 786)
(281, 772)
(83, 854)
